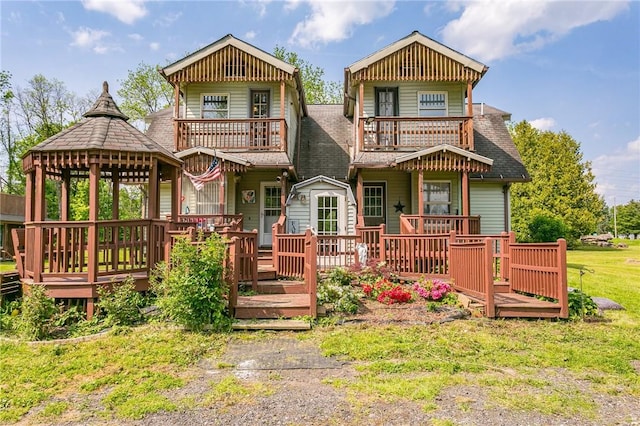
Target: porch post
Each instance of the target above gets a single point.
(39, 215)
(115, 206)
(154, 176)
(420, 201)
(221, 200)
(176, 193)
(283, 142)
(360, 140)
(283, 196)
(360, 199)
(94, 180)
(470, 114)
(176, 113)
(465, 202)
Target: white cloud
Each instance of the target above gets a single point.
(154, 46)
(167, 20)
(331, 21)
(493, 30)
(250, 35)
(89, 38)
(135, 37)
(60, 18)
(127, 11)
(545, 123)
(618, 173)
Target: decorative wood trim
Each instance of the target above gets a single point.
(445, 161)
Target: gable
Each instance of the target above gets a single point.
(420, 58)
(228, 59)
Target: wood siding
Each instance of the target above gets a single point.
(408, 96)
(239, 98)
(398, 189)
(251, 180)
(487, 201)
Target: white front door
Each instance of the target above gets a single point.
(269, 210)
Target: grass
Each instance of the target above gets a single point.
(7, 265)
(552, 367)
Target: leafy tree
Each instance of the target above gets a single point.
(316, 89)
(130, 201)
(628, 218)
(6, 138)
(144, 91)
(562, 185)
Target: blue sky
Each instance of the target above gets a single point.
(572, 66)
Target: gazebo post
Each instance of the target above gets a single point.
(39, 217)
(152, 211)
(65, 190)
(94, 180)
(115, 207)
(175, 194)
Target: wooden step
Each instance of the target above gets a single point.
(271, 324)
(273, 306)
(501, 287)
(281, 287)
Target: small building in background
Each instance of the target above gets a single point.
(11, 216)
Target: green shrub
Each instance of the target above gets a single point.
(546, 229)
(193, 292)
(120, 305)
(581, 305)
(337, 290)
(35, 321)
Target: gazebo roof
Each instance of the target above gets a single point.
(105, 130)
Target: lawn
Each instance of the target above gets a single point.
(7, 266)
(551, 367)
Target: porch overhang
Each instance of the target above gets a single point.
(229, 163)
(298, 186)
(443, 158)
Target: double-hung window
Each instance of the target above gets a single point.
(436, 197)
(432, 104)
(215, 105)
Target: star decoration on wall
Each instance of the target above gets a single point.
(399, 207)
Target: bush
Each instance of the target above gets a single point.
(35, 321)
(546, 229)
(581, 305)
(193, 292)
(120, 305)
(337, 290)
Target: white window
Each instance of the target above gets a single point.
(432, 104)
(436, 197)
(215, 105)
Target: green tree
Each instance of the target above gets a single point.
(316, 89)
(562, 185)
(627, 218)
(144, 91)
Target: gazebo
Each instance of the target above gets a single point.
(71, 258)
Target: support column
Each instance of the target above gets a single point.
(115, 206)
(28, 195)
(283, 142)
(360, 139)
(39, 215)
(360, 199)
(154, 178)
(222, 201)
(283, 195)
(176, 193)
(92, 245)
(465, 202)
(65, 189)
(470, 114)
(421, 201)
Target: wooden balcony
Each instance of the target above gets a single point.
(252, 134)
(439, 224)
(414, 133)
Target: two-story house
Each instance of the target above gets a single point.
(407, 148)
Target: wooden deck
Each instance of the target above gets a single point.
(515, 305)
(273, 306)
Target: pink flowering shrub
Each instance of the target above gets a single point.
(435, 289)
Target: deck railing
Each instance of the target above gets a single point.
(541, 269)
(336, 251)
(73, 250)
(289, 256)
(500, 247)
(212, 222)
(311, 270)
(416, 254)
(247, 254)
(385, 133)
(439, 224)
(236, 134)
(370, 235)
(471, 271)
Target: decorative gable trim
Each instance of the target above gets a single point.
(228, 59)
(417, 57)
(443, 158)
(298, 186)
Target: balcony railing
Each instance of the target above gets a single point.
(239, 134)
(439, 224)
(385, 133)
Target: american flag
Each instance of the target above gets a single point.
(213, 172)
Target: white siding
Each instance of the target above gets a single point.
(487, 200)
(300, 211)
(165, 199)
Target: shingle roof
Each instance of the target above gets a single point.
(103, 128)
(161, 128)
(324, 144)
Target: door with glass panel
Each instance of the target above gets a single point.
(269, 210)
(260, 109)
(386, 106)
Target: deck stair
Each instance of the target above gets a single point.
(276, 298)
